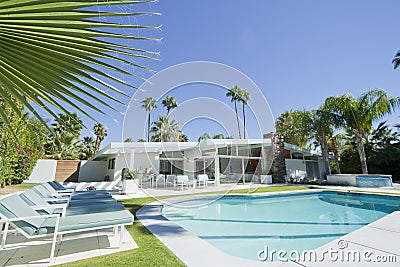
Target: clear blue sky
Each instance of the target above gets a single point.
(297, 52)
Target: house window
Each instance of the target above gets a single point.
(111, 164)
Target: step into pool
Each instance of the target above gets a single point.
(243, 225)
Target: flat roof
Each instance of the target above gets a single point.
(115, 148)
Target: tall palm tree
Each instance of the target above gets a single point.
(101, 132)
(54, 52)
(149, 104)
(322, 123)
(244, 97)
(233, 93)
(359, 114)
(169, 103)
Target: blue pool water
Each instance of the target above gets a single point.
(242, 226)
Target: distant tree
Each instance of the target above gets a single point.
(218, 136)
(141, 140)
(129, 140)
(88, 147)
(149, 104)
(101, 132)
(165, 130)
(396, 60)
(204, 137)
(234, 93)
(169, 103)
(183, 138)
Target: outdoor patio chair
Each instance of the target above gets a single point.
(202, 180)
(160, 178)
(170, 180)
(31, 224)
(183, 180)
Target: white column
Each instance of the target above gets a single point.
(244, 179)
(216, 171)
(131, 163)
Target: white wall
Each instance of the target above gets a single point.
(44, 171)
(348, 179)
(92, 171)
(147, 160)
(294, 164)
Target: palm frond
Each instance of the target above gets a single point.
(53, 52)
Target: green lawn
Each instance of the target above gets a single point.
(151, 251)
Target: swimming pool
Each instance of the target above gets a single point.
(243, 225)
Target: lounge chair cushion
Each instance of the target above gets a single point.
(87, 221)
(13, 207)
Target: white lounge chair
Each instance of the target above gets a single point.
(183, 180)
(202, 180)
(170, 180)
(26, 220)
(160, 178)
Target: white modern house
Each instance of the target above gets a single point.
(224, 160)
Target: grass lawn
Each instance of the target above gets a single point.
(151, 251)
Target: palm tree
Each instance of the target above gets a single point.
(322, 123)
(218, 136)
(359, 114)
(88, 147)
(101, 132)
(54, 52)
(149, 104)
(169, 103)
(68, 122)
(204, 137)
(294, 125)
(165, 130)
(396, 60)
(233, 93)
(63, 146)
(244, 97)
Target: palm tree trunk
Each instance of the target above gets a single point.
(336, 154)
(237, 119)
(97, 145)
(325, 154)
(244, 121)
(361, 150)
(148, 126)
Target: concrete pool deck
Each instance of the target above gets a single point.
(378, 239)
(35, 252)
